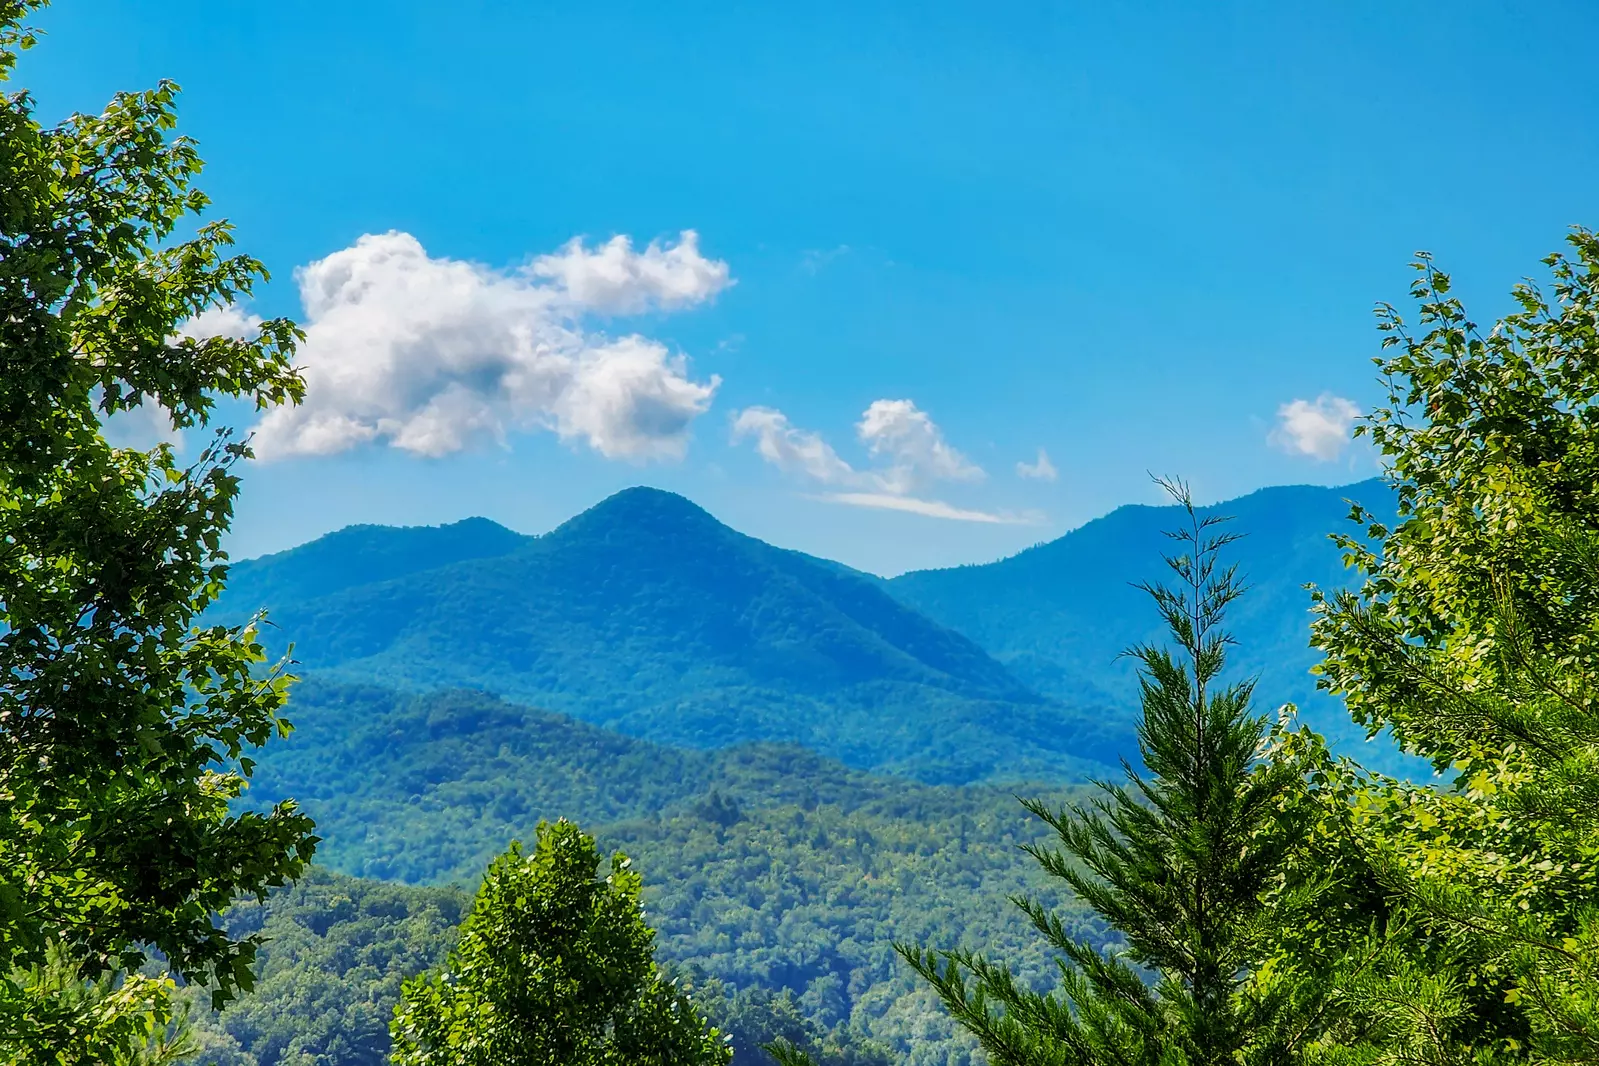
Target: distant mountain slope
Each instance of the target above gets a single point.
(1059, 614)
(360, 555)
(646, 615)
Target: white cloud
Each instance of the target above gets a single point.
(918, 453)
(794, 450)
(432, 355)
(1042, 470)
(897, 431)
(814, 259)
(141, 427)
(613, 279)
(1320, 429)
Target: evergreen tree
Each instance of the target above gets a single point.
(555, 967)
(1181, 861)
(125, 726)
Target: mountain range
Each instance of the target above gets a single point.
(805, 761)
(646, 615)
(1059, 615)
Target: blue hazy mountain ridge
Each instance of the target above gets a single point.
(361, 555)
(646, 615)
(1058, 615)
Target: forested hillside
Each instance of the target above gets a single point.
(765, 867)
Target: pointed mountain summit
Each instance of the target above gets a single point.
(647, 615)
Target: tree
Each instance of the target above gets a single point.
(1475, 639)
(555, 967)
(124, 723)
(1181, 863)
(127, 1020)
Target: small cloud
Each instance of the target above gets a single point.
(613, 279)
(812, 260)
(1319, 428)
(1042, 470)
(141, 428)
(911, 447)
(434, 355)
(792, 450)
(903, 433)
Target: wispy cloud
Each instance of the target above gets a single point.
(910, 451)
(790, 449)
(433, 355)
(1320, 429)
(883, 501)
(1041, 470)
(814, 259)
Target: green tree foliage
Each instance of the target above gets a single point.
(753, 1019)
(337, 949)
(123, 726)
(822, 871)
(132, 1020)
(1180, 863)
(1475, 639)
(335, 952)
(555, 967)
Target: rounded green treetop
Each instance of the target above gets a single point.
(555, 967)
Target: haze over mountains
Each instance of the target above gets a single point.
(646, 615)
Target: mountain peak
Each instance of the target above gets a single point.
(642, 510)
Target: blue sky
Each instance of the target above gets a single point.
(932, 239)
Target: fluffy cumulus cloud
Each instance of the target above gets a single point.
(909, 451)
(1040, 470)
(432, 355)
(897, 432)
(1318, 428)
(615, 279)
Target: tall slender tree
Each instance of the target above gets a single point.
(125, 724)
(1181, 861)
